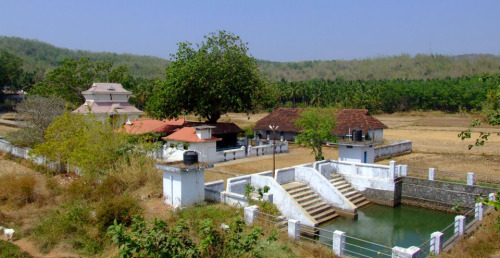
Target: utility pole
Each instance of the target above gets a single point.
(274, 127)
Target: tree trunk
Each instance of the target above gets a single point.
(212, 118)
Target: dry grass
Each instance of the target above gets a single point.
(5, 129)
(484, 242)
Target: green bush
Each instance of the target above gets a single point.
(8, 250)
(122, 209)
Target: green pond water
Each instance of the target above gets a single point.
(402, 225)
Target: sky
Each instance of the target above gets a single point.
(275, 30)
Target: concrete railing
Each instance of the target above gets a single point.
(231, 154)
(359, 169)
(213, 190)
(395, 149)
(281, 146)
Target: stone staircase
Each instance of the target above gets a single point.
(348, 191)
(311, 202)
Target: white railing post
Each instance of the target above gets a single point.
(432, 173)
(459, 225)
(478, 211)
(404, 170)
(392, 168)
(268, 197)
(470, 178)
(338, 243)
(250, 214)
(436, 243)
(410, 252)
(294, 229)
(492, 197)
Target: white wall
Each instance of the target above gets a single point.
(393, 149)
(206, 151)
(182, 187)
(356, 153)
(376, 134)
(107, 97)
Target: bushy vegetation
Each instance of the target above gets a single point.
(9, 250)
(18, 190)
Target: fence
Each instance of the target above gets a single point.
(343, 244)
(394, 149)
(455, 176)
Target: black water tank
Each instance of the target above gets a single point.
(358, 135)
(190, 157)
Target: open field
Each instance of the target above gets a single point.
(435, 144)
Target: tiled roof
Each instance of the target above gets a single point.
(99, 87)
(355, 119)
(109, 108)
(188, 134)
(282, 117)
(220, 128)
(152, 125)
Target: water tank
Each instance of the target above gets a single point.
(190, 157)
(357, 135)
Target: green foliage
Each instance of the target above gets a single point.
(214, 78)
(9, 250)
(316, 129)
(249, 189)
(70, 224)
(83, 141)
(37, 113)
(121, 209)
(11, 71)
(159, 240)
(68, 80)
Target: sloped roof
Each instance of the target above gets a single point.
(282, 117)
(355, 119)
(220, 128)
(99, 87)
(188, 134)
(152, 125)
(109, 108)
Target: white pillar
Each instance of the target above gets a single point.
(400, 252)
(250, 214)
(404, 170)
(492, 197)
(432, 173)
(392, 168)
(479, 211)
(338, 243)
(470, 178)
(268, 197)
(436, 243)
(459, 225)
(294, 229)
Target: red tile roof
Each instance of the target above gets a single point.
(346, 119)
(349, 119)
(188, 134)
(282, 117)
(152, 125)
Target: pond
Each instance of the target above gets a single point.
(402, 225)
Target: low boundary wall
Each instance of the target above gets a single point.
(440, 195)
(395, 149)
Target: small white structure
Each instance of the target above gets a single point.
(360, 152)
(109, 100)
(182, 186)
(197, 139)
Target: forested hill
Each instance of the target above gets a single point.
(394, 67)
(42, 57)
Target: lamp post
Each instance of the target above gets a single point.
(274, 127)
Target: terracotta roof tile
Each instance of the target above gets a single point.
(152, 125)
(188, 134)
(282, 117)
(355, 119)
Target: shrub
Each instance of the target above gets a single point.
(17, 190)
(81, 189)
(10, 250)
(122, 209)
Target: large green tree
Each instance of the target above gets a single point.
(68, 80)
(215, 77)
(11, 71)
(316, 128)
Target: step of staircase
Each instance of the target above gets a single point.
(311, 202)
(348, 191)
